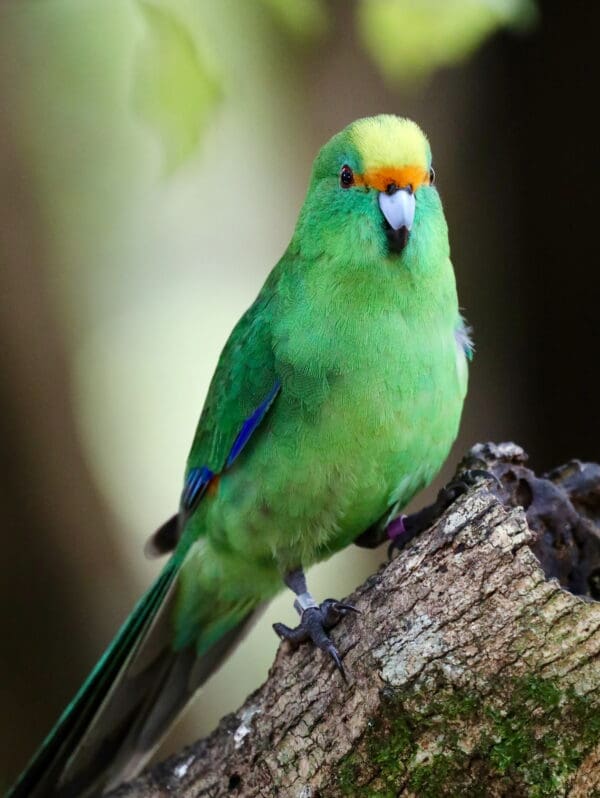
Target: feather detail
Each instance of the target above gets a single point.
(251, 424)
(196, 484)
(464, 338)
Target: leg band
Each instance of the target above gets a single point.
(304, 602)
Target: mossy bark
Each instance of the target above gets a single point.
(470, 673)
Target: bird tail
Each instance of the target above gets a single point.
(124, 708)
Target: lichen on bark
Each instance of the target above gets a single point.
(524, 732)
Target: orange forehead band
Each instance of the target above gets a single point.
(404, 176)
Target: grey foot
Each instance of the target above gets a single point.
(314, 625)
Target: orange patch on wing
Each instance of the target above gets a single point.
(403, 176)
(213, 485)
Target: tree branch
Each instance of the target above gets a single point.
(470, 672)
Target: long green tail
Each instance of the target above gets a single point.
(126, 705)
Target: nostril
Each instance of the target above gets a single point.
(392, 188)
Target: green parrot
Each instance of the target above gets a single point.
(336, 398)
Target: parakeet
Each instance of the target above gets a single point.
(336, 398)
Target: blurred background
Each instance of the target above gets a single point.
(153, 158)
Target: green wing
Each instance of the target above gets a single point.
(244, 379)
(244, 386)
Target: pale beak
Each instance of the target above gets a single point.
(398, 208)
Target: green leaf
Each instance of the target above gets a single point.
(174, 92)
(411, 38)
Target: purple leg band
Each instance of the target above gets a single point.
(396, 527)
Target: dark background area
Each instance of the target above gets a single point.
(515, 144)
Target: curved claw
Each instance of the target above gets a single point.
(314, 625)
(481, 472)
(333, 611)
(466, 480)
(469, 477)
(340, 606)
(335, 656)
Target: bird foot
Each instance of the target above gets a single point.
(404, 528)
(314, 624)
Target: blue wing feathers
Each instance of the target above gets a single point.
(198, 479)
(195, 487)
(250, 425)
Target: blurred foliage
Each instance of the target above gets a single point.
(174, 90)
(408, 39)
(411, 38)
(304, 19)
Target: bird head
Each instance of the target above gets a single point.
(371, 193)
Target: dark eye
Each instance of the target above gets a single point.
(346, 177)
(431, 176)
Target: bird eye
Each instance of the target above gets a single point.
(346, 177)
(431, 176)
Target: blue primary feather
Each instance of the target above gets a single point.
(251, 424)
(198, 479)
(195, 487)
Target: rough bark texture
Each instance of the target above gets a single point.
(470, 672)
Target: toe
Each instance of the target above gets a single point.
(333, 611)
(294, 636)
(473, 474)
(335, 656)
